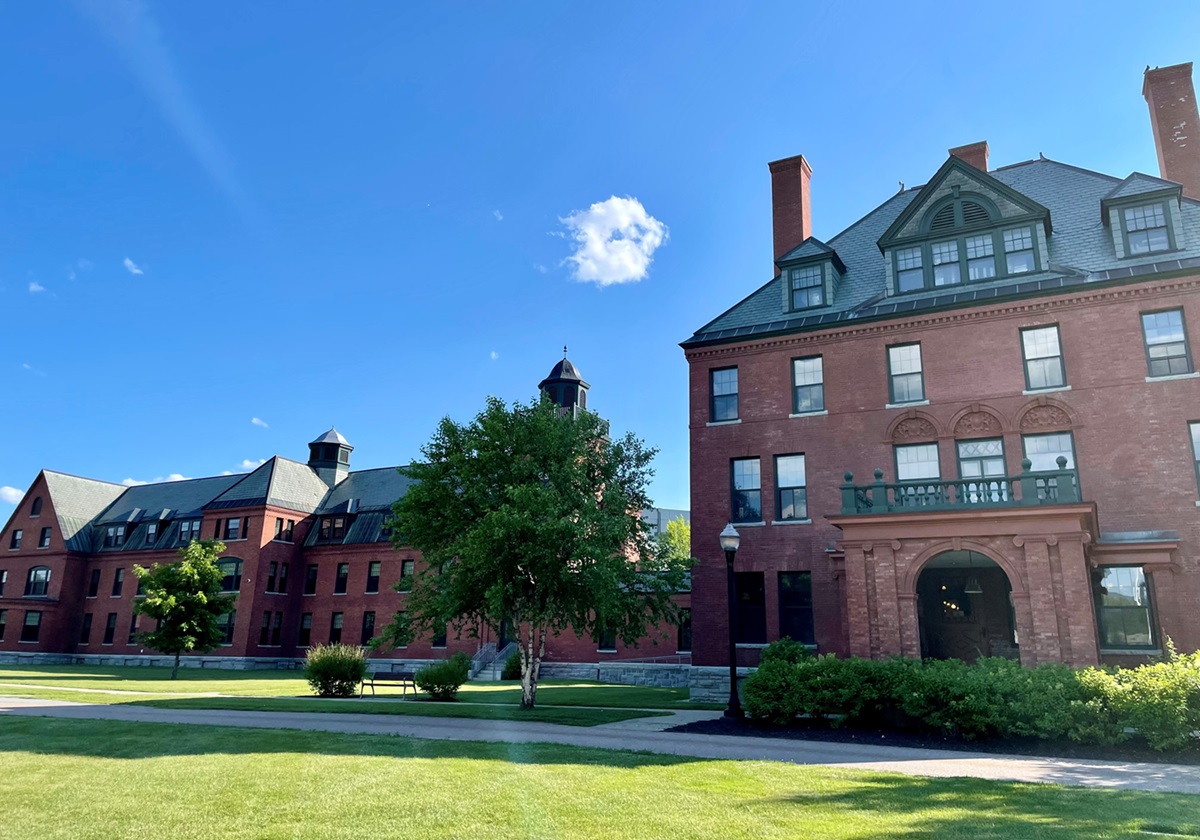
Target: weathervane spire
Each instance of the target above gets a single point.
(564, 351)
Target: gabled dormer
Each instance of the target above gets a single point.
(1143, 216)
(809, 275)
(964, 227)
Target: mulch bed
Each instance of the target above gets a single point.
(1048, 749)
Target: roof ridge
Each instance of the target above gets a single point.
(85, 478)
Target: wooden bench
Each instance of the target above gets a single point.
(403, 678)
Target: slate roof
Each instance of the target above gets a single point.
(1139, 183)
(1080, 251)
(184, 499)
(332, 436)
(281, 482)
(372, 492)
(564, 371)
(77, 501)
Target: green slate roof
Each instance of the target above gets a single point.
(372, 493)
(1080, 251)
(77, 501)
(280, 482)
(1138, 184)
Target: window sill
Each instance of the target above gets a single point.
(1032, 391)
(792, 522)
(723, 422)
(750, 524)
(606, 650)
(821, 413)
(1173, 376)
(23, 642)
(750, 645)
(1131, 651)
(906, 404)
(285, 542)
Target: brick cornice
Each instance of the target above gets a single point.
(1017, 308)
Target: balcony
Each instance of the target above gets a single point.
(1029, 489)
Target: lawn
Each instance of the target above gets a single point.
(101, 779)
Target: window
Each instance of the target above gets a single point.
(906, 378)
(282, 583)
(343, 575)
(283, 532)
(3, 581)
(335, 628)
(14, 541)
(1123, 608)
(226, 623)
(946, 270)
(114, 536)
(1146, 229)
(1043, 358)
(272, 573)
(35, 509)
(808, 287)
(37, 582)
(310, 579)
(1043, 452)
(277, 629)
(133, 629)
(915, 462)
(981, 257)
(407, 568)
(333, 527)
(32, 628)
(110, 628)
(289, 530)
(724, 391)
(141, 588)
(232, 571)
(1018, 250)
(808, 385)
(439, 641)
(791, 500)
(189, 530)
(750, 618)
(746, 490)
(118, 583)
(373, 576)
(910, 276)
(279, 527)
(607, 641)
(1167, 352)
(233, 528)
(683, 634)
(982, 461)
(368, 627)
(264, 633)
(305, 637)
(94, 584)
(3, 623)
(1193, 427)
(85, 629)
(151, 534)
(796, 607)
(44, 539)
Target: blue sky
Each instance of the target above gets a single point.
(372, 214)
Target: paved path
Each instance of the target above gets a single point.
(626, 735)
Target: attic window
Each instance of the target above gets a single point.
(956, 213)
(808, 287)
(36, 508)
(1146, 229)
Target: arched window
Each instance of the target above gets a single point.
(959, 211)
(36, 508)
(37, 584)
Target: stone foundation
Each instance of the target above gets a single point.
(619, 673)
(711, 684)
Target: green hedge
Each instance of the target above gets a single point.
(335, 670)
(995, 698)
(442, 680)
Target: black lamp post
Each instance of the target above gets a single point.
(730, 540)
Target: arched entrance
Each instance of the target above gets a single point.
(965, 608)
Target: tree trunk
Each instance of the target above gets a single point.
(531, 664)
(175, 670)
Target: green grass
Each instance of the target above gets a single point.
(96, 780)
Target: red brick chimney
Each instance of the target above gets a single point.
(976, 154)
(790, 204)
(1172, 101)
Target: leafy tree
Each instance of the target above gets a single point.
(675, 544)
(532, 514)
(185, 599)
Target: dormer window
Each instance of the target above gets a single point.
(189, 529)
(1146, 229)
(808, 287)
(981, 257)
(910, 276)
(332, 527)
(114, 536)
(946, 271)
(1018, 250)
(151, 534)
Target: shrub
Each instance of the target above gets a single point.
(335, 670)
(512, 667)
(775, 693)
(442, 680)
(785, 650)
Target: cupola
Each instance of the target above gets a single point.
(329, 457)
(565, 386)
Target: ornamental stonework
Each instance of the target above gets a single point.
(914, 428)
(1045, 417)
(977, 424)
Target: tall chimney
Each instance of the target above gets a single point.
(790, 205)
(1172, 101)
(976, 154)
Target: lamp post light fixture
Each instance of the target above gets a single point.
(730, 540)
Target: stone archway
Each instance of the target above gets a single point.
(965, 607)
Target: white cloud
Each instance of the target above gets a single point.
(83, 265)
(70, 273)
(132, 267)
(499, 216)
(247, 464)
(35, 287)
(495, 355)
(259, 422)
(137, 482)
(541, 269)
(615, 241)
(10, 495)
(27, 366)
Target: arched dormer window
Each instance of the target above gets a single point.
(36, 508)
(37, 583)
(961, 210)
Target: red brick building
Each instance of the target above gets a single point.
(968, 424)
(308, 557)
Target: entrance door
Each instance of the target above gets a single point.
(964, 608)
(506, 635)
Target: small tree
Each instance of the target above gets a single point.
(675, 543)
(185, 599)
(532, 514)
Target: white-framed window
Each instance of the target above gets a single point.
(906, 378)
(791, 493)
(1042, 352)
(946, 269)
(910, 274)
(808, 385)
(1146, 229)
(746, 490)
(808, 287)
(1018, 250)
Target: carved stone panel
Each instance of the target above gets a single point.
(1045, 417)
(914, 428)
(977, 424)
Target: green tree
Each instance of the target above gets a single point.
(675, 543)
(185, 599)
(531, 514)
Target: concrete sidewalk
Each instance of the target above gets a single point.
(629, 736)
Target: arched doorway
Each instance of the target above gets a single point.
(965, 608)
